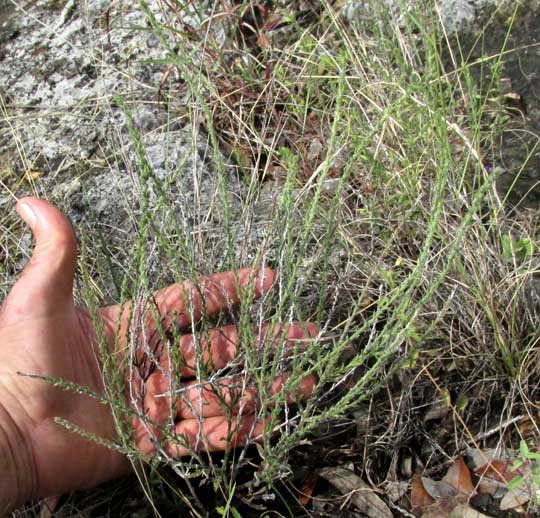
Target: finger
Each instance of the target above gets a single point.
(181, 304)
(234, 397)
(219, 347)
(186, 302)
(211, 434)
(210, 400)
(222, 345)
(214, 434)
(47, 279)
(217, 352)
(211, 351)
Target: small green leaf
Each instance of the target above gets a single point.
(224, 512)
(412, 359)
(462, 402)
(525, 248)
(413, 333)
(508, 248)
(446, 397)
(388, 276)
(516, 465)
(534, 455)
(517, 249)
(326, 65)
(524, 449)
(515, 482)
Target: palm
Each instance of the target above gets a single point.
(59, 344)
(43, 334)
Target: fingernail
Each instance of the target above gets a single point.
(27, 213)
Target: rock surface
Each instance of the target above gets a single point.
(513, 27)
(64, 137)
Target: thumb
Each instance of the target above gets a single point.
(47, 279)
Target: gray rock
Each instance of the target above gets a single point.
(458, 16)
(60, 70)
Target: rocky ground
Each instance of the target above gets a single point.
(478, 29)
(62, 67)
(62, 64)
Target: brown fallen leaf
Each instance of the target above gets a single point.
(440, 498)
(496, 475)
(478, 458)
(439, 409)
(395, 491)
(361, 495)
(497, 469)
(307, 488)
(420, 498)
(459, 476)
(490, 486)
(439, 489)
(263, 41)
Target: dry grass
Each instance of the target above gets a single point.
(357, 161)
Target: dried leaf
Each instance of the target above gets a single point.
(459, 477)
(494, 469)
(479, 457)
(492, 478)
(462, 510)
(449, 508)
(361, 495)
(307, 488)
(515, 498)
(396, 490)
(527, 428)
(498, 476)
(33, 175)
(439, 489)
(420, 498)
(448, 494)
(263, 41)
(492, 487)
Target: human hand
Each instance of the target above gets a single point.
(43, 333)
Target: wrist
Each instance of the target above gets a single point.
(18, 475)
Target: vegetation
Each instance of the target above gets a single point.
(353, 157)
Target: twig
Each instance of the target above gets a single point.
(489, 433)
